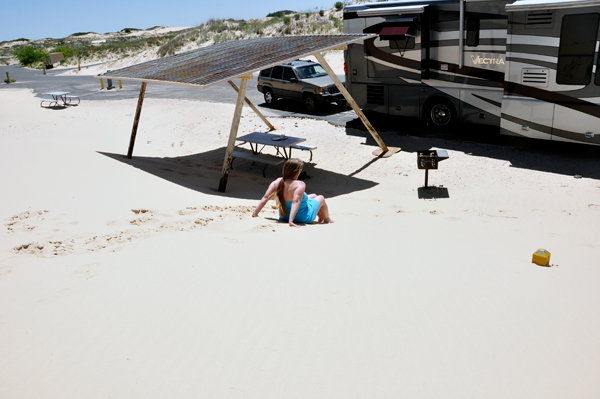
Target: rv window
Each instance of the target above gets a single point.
(403, 44)
(576, 50)
(277, 72)
(472, 32)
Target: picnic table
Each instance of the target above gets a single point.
(282, 144)
(58, 96)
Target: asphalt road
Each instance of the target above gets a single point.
(88, 89)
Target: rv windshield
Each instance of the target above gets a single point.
(310, 71)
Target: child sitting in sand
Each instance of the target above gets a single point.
(295, 206)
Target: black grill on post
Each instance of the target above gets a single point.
(429, 159)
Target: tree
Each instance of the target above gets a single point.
(28, 55)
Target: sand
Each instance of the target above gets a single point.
(137, 279)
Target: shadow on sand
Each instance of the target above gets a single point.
(202, 172)
(295, 107)
(412, 135)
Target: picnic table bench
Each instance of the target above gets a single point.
(265, 159)
(69, 99)
(50, 101)
(59, 96)
(282, 144)
(304, 147)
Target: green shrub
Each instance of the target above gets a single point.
(307, 14)
(11, 80)
(280, 14)
(29, 55)
(297, 17)
(216, 25)
(287, 20)
(338, 5)
(81, 33)
(336, 21)
(321, 12)
(16, 40)
(67, 51)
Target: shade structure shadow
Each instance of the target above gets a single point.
(202, 172)
(296, 107)
(56, 107)
(433, 192)
(412, 135)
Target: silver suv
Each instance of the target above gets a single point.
(306, 81)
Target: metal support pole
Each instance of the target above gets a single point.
(101, 84)
(136, 120)
(7, 77)
(120, 85)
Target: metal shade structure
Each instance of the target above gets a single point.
(223, 62)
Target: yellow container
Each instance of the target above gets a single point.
(541, 257)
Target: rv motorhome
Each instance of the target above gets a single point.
(529, 66)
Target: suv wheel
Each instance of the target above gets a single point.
(269, 98)
(310, 102)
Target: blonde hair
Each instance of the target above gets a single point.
(291, 168)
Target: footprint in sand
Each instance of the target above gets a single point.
(5, 270)
(594, 207)
(147, 223)
(25, 221)
(189, 210)
(264, 228)
(145, 216)
(87, 271)
(46, 250)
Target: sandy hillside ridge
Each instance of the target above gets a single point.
(129, 47)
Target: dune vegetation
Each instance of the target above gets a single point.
(160, 41)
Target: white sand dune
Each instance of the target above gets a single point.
(137, 279)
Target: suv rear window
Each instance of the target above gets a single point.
(277, 72)
(266, 72)
(288, 74)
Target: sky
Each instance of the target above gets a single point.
(58, 19)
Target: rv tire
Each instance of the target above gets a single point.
(440, 113)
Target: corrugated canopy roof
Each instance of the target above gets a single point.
(221, 62)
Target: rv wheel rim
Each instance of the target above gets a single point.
(440, 115)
